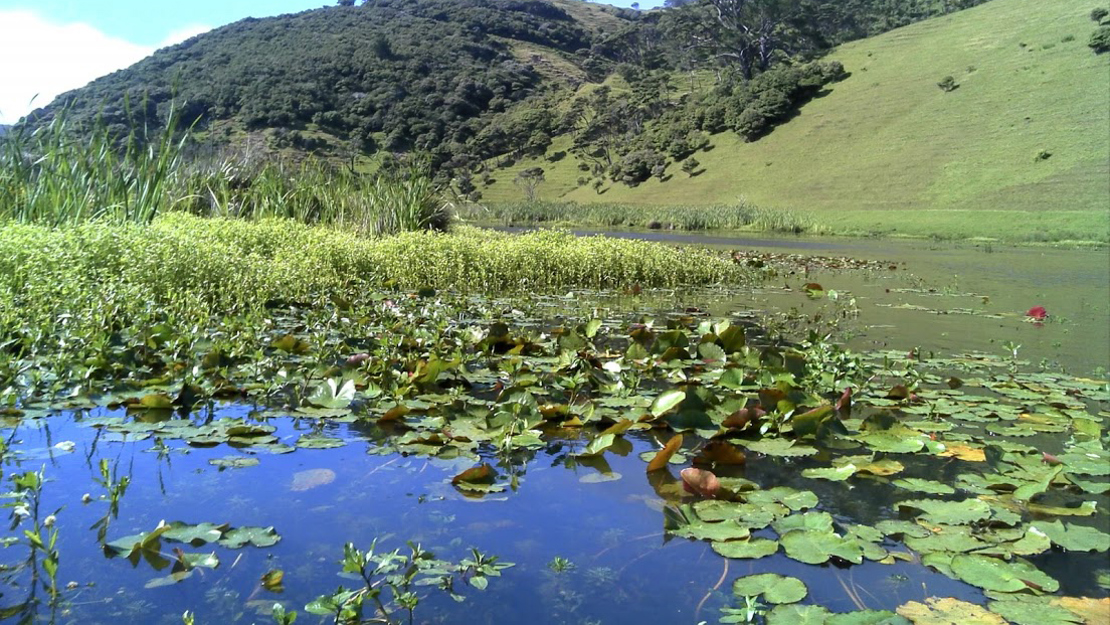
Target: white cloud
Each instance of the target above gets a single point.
(183, 33)
(42, 59)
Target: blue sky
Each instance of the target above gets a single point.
(64, 44)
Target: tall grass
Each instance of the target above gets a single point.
(55, 175)
(738, 216)
(313, 192)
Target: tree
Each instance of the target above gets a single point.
(346, 3)
(742, 32)
(690, 166)
(527, 180)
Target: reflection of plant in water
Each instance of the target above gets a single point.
(751, 611)
(42, 536)
(401, 574)
(600, 575)
(116, 487)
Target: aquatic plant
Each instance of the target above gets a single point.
(401, 573)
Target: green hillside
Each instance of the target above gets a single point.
(1024, 136)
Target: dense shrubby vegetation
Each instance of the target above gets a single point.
(466, 81)
(93, 280)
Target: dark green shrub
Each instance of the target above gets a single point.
(1100, 40)
(637, 166)
(1099, 13)
(948, 84)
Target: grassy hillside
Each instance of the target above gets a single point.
(888, 151)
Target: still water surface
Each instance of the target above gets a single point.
(934, 297)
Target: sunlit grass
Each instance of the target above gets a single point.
(736, 216)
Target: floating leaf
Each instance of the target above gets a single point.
(948, 611)
(949, 512)
(256, 536)
(664, 455)
(720, 452)
(272, 580)
(666, 402)
(773, 587)
(1074, 537)
(931, 487)
(751, 549)
(994, 574)
(481, 474)
(835, 474)
(779, 447)
(816, 547)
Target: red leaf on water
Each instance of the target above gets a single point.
(700, 482)
(1037, 312)
(1050, 460)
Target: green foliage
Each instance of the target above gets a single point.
(464, 81)
(738, 216)
(402, 574)
(1100, 39)
(948, 83)
(1098, 13)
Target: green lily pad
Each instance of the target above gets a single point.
(949, 512)
(779, 447)
(1032, 610)
(920, 485)
(835, 474)
(752, 549)
(816, 547)
(319, 442)
(791, 498)
(773, 587)
(255, 536)
(994, 574)
(751, 515)
(195, 535)
(795, 614)
(1074, 537)
(867, 617)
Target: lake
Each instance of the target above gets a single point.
(858, 507)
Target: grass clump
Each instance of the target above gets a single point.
(738, 216)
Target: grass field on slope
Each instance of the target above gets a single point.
(888, 151)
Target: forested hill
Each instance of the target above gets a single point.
(464, 81)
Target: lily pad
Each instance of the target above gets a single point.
(752, 549)
(255, 536)
(994, 574)
(773, 587)
(1074, 537)
(816, 547)
(949, 512)
(920, 485)
(948, 611)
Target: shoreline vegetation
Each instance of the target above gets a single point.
(1063, 228)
